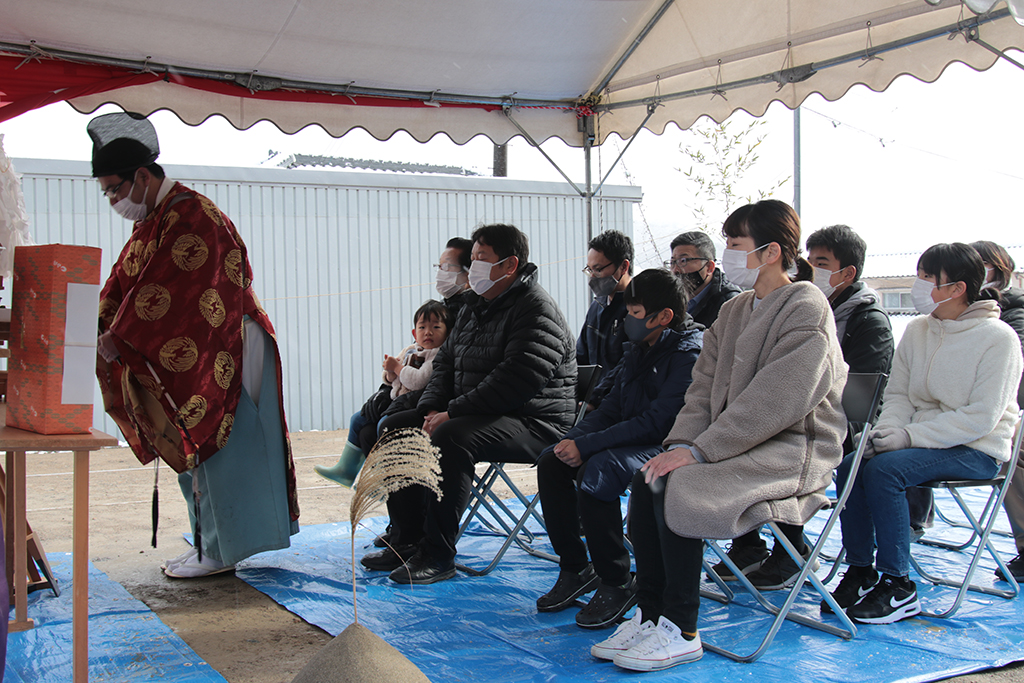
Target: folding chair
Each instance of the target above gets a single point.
(506, 522)
(861, 396)
(981, 528)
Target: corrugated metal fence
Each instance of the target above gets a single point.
(341, 260)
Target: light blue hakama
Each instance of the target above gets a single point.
(243, 501)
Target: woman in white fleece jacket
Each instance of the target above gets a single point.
(948, 413)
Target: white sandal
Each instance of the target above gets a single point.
(193, 569)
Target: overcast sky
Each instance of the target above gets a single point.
(909, 167)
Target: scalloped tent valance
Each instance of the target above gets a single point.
(466, 67)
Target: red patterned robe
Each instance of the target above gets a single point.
(174, 302)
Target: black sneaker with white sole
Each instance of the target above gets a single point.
(893, 599)
(855, 584)
(748, 557)
(779, 570)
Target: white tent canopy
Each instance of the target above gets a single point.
(466, 67)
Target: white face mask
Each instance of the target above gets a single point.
(822, 280)
(480, 275)
(734, 265)
(131, 210)
(921, 296)
(447, 283)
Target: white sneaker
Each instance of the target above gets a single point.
(626, 636)
(664, 647)
(193, 569)
(180, 559)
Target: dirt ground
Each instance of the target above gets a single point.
(240, 632)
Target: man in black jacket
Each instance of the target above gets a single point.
(693, 262)
(503, 384)
(603, 337)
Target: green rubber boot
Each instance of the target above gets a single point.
(345, 470)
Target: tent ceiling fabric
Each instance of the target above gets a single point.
(547, 54)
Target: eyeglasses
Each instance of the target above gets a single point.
(449, 267)
(592, 272)
(111, 192)
(681, 262)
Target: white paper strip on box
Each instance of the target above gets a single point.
(79, 381)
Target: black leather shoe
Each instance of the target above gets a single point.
(608, 605)
(387, 559)
(570, 585)
(422, 569)
(383, 540)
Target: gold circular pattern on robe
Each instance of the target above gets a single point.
(233, 266)
(189, 252)
(150, 385)
(132, 260)
(211, 210)
(225, 430)
(149, 251)
(108, 309)
(193, 411)
(223, 369)
(212, 307)
(152, 302)
(179, 354)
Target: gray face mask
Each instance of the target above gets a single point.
(603, 287)
(636, 328)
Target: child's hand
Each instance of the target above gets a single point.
(392, 365)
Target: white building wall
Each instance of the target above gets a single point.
(341, 260)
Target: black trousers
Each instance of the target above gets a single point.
(416, 514)
(668, 567)
(568, 510)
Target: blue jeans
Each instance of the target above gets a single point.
(877, 513)
(355, 425)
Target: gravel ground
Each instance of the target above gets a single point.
(240, 632)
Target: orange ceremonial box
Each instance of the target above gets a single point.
(54, 311)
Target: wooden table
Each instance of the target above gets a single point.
(16, 442)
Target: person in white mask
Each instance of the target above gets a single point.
(948, 413)
(451, 279)
(756, 440)
(999, 279)
(503, 385)
(188, 363)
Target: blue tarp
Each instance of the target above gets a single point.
(127, 642)
(488, 629)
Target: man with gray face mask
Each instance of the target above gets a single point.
(602, 339)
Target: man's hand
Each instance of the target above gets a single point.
(663, 463)
(106, 348)
(434, 420)
(566, 451)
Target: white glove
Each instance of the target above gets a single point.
(106, 348)
(869, 450)
(885, 440)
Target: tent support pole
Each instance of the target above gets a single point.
(998, 52)
(632, 48)
(588, 143)
(651, 107)
(529, 138)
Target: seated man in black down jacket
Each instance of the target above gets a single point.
(503, 384)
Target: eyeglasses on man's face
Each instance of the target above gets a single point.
(449, 267)
(111, 192)
(682, 262)
(595, 272)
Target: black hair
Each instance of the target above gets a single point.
(695, 238)
(434, 309)
(156, 169)
(465, 249)
(767, 221)
(505, 240)
(615, 246)
(959, 262)
(847, 246)
(997, 257)
(657, 289)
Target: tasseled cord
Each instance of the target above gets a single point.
(156, 497)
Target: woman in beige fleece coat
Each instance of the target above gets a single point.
(757, 439)
(948, 413)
